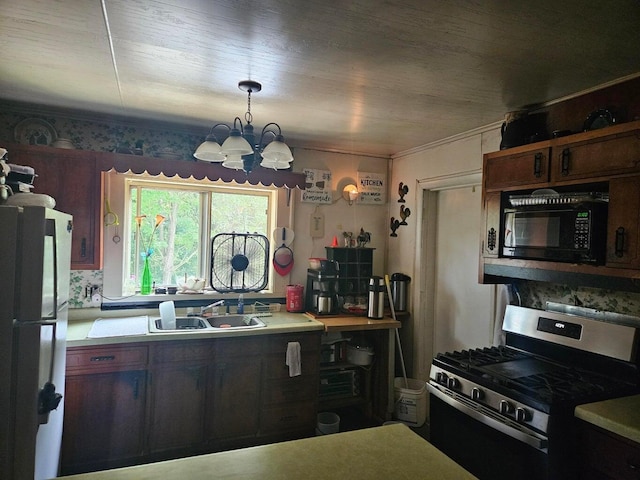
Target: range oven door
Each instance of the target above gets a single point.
(477, 442)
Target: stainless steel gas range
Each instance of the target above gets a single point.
(506, 412)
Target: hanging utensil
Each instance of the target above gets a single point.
(283, 232)
(111, 218)
(283, 256)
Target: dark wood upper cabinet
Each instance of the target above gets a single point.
(71, 177)
(608, 158)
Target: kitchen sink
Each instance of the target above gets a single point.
(208, 324)
(235, 322)
(182, 323)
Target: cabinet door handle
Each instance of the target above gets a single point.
(103, 358)
(83, 247)
(619, 248)
(566, 156)
(221, 369)
(197, 373)
(288, 418)
(491, 239)
(537, 165)
(136, 388)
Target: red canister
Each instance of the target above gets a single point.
(295, 298)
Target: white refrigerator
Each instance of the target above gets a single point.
(35, 258)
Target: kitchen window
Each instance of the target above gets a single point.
(193, 211)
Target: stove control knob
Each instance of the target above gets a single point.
(441, 377)
(522, 415)
(505, 407)
(476, 394)
(452, 383)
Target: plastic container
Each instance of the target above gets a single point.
(328, 422)
(411, 401)
(240, 308)
(295, 298)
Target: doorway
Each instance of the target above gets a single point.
(457, 311)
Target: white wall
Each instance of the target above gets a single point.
(442, 163)
(339, 216)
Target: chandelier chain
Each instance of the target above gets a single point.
(247, 116)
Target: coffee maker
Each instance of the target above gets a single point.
(321, 295)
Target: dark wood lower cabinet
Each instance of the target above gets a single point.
(607, 456)
(105, 401)
(177, 406)
(234, 409)
(126, 405)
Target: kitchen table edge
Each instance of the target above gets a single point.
(390, 451)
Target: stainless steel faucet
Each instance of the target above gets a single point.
(214, 304)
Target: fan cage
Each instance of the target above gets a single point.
(239, 262)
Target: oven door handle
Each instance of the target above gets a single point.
(531, 438)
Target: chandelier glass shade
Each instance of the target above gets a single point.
(241, 150)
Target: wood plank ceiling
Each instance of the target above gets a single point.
(367, 76)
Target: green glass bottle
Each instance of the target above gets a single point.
(145, 288)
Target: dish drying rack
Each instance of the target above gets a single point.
(557, 198)
(265, 309)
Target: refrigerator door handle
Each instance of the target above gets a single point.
(48, 398)
(50, 231)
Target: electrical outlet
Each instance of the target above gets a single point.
(96, 300)
(94, 293)
(317, 225)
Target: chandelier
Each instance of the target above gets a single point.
(241, 150)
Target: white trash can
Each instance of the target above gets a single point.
(328, 422)
(410, 401)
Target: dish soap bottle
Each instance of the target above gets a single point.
(240, 308)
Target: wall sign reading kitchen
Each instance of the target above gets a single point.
(372, 188)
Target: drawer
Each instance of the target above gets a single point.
(309, 342)
(292, 389)
(285, 418)
(106, 359)
(276, 367)
(181, 351)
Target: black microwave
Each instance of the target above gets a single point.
(568, 227)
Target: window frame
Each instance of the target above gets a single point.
(117, 188)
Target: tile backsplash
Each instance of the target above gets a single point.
(536, 294)
(80, 281)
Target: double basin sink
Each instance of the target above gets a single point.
(207, 324)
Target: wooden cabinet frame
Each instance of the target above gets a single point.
(608, 158)
(136, 403)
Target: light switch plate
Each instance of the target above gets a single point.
(317, 225)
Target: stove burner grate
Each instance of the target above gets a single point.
(481, 356)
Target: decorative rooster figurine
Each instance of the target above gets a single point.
(363, 238)
(404, 213)
(394, 224)
(402, 191)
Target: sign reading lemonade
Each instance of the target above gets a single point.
(317, 186)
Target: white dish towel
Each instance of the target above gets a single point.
(293, 359)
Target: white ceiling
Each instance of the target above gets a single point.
(366, 76)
